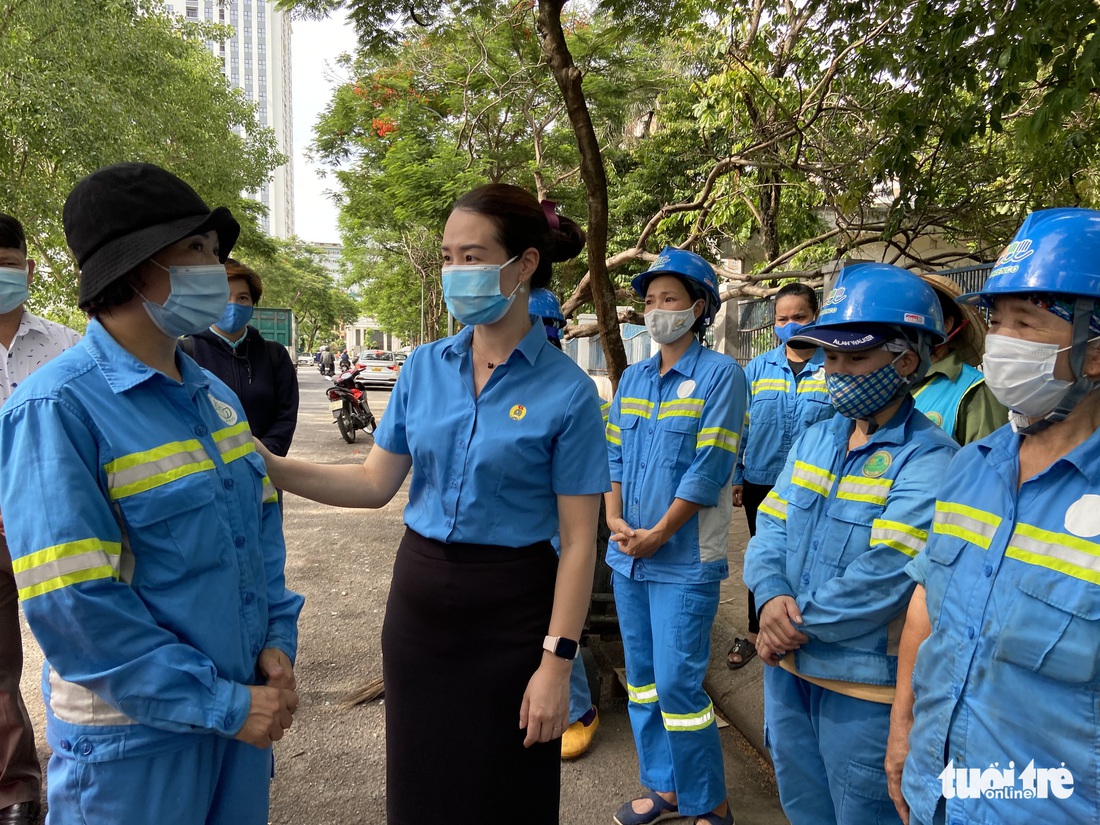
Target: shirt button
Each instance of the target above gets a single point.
(228, 484)
(200, 430)
(249, 598)
(86, 748)
(970, 633)
(805, 578)
(988, 571)
(643, 465)
(239, 541)
(66, 745)
(454, 485)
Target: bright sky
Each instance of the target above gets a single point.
(314, 47)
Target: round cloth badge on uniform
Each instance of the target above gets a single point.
(935, 418)
(685, 389)
(1083, 516)
(225, 411)
(877, 464)
(517, 412)
(820, 374)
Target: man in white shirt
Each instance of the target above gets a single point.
(26, 343)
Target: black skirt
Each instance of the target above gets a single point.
(462, 637)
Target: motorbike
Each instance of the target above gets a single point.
(347, 399)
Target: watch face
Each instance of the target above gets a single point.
(566, 648)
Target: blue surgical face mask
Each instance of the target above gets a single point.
(861, 396)
(235, 317)
(13, 288)
(473, 292)
(787, 331)
(197, 299)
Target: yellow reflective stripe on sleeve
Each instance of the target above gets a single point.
(270, 494)
(717, 437)
(689, 721)
(137, 472)
(605, 410)
(967, 523)
(812, 478)
(636, 406)
(614, 434)
(770, 385)
(812, 385)
(52, 568)
(686, 407)
(773, 505)
(644, 695)
(858, 488)
(1066, 554)
(901, 537)
(234, 442)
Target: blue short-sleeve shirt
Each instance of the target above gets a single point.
(488, 469)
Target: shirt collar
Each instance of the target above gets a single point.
(30, 322)
(685, 366)
(895, 431)
(122, 371)
(530, 345)
(1003, 447)
(950, 366)
(778, 356)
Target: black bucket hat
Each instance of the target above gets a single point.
(123, 214)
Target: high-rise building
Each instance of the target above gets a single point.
(256, 59)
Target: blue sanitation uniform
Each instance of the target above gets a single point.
(675, 436)
(1011, 672)
(782, 406)
(148, 550)
(835, 535)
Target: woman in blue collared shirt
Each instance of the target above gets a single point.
(787, 396)
(504, 437)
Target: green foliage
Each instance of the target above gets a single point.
(294, 276)
(83, 85)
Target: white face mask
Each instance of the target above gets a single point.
(668, 325)
(1021, 374)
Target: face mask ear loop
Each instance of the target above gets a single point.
(1082, 386)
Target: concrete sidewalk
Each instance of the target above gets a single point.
(737, 694)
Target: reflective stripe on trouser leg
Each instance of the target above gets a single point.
(687, 748)
(828, 750)
(650, 740)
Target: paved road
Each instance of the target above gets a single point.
(330, 768)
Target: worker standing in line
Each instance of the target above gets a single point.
(673, 432)
(852, 505)
(787, 395)
(954, 393)
(584, 717)
(999, 721)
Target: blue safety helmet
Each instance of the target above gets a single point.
(544, 304)
(870, 304)
(1055, 252)
(690, 267)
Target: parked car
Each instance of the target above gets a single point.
(380, 367)
(401, 357)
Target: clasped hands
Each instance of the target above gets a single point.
(778, 634)
(271, 711)
(638, 544)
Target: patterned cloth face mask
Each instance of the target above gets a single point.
(861, 396)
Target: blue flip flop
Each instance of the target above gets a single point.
(661, 810)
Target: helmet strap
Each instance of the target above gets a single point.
(1082, 384)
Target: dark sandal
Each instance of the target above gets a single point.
(743, 648)
(661, 809)
(714, 819)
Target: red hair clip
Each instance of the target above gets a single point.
(549, 208)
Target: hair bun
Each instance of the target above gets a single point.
(566, 242)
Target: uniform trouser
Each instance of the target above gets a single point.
(752, 496)
(828, 750)
(666, 639)
(214, 781)
(20, 774)
(580, 697)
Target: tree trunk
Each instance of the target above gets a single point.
(770, 189)
(594, 176)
